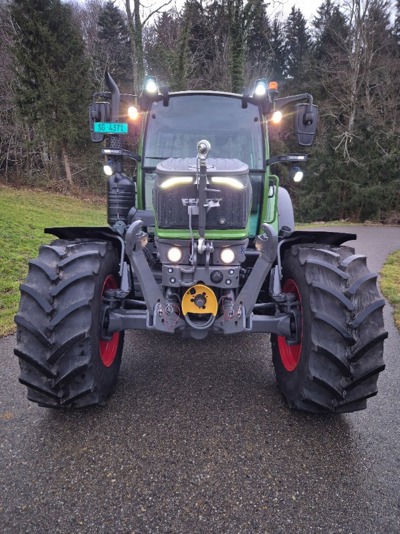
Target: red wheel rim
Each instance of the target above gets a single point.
(290, 354)
(108, 348)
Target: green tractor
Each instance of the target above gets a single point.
(200, 241)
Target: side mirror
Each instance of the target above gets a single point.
(306, 121)
(98, 112)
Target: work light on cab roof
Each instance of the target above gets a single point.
(151, 85)
(260, 88)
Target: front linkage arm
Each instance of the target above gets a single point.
(159, 315)
(240, 317)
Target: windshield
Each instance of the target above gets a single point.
(174, 130)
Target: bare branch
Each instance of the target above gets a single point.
(157, 10)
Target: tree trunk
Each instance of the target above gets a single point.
(131, 30)
(139, 45)
(135, 27)
(67, 166)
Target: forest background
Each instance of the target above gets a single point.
(53, 56)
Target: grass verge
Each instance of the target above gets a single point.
(390, 283)
(23, 216)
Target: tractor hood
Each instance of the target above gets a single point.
(176, 194)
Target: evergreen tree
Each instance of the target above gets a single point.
(204, 42)
(259, 51)
(297, 43)
(114, 45)
(331, 31)
(198, 42)
(51, 74)
(218, 68)
(238, 18)
(278, 52)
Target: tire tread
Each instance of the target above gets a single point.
(57, 343)
(342, 356)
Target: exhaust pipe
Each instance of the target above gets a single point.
(115, 96)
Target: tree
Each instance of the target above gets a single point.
(136, 23)
(278, 52)
(330, 32)
(114, 44)
(297, 43)
(51, 71)
(86, 19)
(166, 50)
(198, 42)
(356, 164)
(357, 67)
(237, 27)
(259, 52)
(11, 131)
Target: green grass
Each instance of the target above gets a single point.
(390, 283)
(23, 216)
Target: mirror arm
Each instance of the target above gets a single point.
(285, 100)
(286, 158)
(121, 152)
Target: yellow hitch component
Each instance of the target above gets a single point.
(199, 299)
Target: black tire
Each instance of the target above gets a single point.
(335, 366)
(63, 361)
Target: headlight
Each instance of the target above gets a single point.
(227, 180)
(133, 113)
(174, 254)
(298, 176)
(176, 180)
(277, 117)
(108, 170)
(227, 255)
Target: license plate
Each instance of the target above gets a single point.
(111, 127)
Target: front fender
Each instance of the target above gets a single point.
(104, 233)
(301, 237)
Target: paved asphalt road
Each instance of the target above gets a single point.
(197, 439)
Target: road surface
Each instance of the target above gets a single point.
(197, 439)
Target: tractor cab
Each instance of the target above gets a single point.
(233, 132)
(172, 124)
